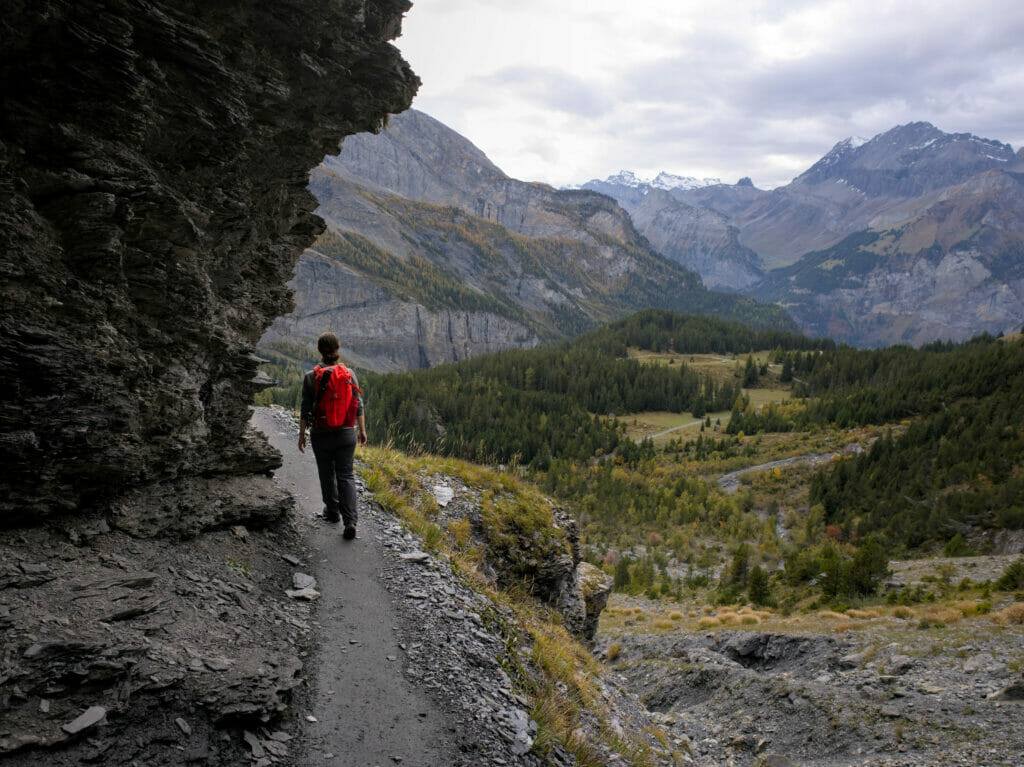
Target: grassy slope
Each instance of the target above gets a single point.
(561, 679)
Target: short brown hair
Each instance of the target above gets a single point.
(328, 345)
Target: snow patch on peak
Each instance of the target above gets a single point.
(671, 181)
(856, 141)
(626, 178)
(663, 180)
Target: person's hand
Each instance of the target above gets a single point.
(302, 441)
(362, 437)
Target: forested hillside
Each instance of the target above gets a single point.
(559, 401)
(926, 444)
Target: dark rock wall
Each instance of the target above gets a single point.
(154, 157)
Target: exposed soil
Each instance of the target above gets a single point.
(890, 693)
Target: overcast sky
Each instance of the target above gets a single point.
(567, 90)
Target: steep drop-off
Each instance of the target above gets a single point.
(153, 166)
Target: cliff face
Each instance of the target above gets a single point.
(951, 271)
(699, 238)
(434, 255)
(381, 332)
(153, 166)
(423, 160)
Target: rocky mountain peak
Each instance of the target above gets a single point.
(906, 161)
(417, 157)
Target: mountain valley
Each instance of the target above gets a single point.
(630, 498)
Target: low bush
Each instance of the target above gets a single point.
(1012, 615)
(1013, 577)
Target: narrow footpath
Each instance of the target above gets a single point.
(366, 712)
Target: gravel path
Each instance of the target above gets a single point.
(408, 660)
(367, 712)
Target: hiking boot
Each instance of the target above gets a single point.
(350, 532)
(331, 516)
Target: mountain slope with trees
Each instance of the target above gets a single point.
(433, 255)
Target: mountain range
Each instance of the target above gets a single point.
(912, 236)
(433, 254)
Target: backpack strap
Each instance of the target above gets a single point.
(321, 386)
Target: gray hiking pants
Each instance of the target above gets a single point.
(334, 452)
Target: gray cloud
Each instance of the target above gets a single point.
(549, 88)
(739, 91)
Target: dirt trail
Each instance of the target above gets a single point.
(669, 431)
(730, 482)
(367, 712)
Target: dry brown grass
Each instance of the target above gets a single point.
(675, 616)
(612, 651)
(945, 615)
(903, 612)
(707, 609)
(831, 615)
(708, 622)
(862, 614)
(1012, 615)
(661, 623)
(750, 620)
(967, 607)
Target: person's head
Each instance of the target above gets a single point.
(328, 345)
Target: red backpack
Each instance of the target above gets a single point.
(336, 403)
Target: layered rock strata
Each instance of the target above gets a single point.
(153, 166)
(382, 332)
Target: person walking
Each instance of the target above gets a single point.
(332, 408)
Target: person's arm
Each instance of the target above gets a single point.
(360, 415)
(305, 411)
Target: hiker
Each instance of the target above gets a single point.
(332, 406)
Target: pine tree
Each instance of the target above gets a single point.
(759, 592)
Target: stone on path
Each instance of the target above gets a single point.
(92, 715)
(307, 594)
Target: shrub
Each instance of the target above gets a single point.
(830, 615)
(1012, 615)
(943, 615)
(862, 614)
(1013, 577)
(957, 547)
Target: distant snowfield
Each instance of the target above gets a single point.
(663, 180)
